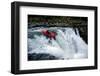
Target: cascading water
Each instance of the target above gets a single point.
(67, 43)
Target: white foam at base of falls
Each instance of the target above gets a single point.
(67, 45)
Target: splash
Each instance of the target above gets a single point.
(67, 43)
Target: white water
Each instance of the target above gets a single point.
(68, 44)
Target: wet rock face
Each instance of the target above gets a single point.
(41, 56)
(84, 33)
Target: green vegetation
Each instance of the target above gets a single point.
(57, 20)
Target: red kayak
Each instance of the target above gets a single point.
(51, 35)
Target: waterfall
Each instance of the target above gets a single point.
(77, 32)
(67, 45)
